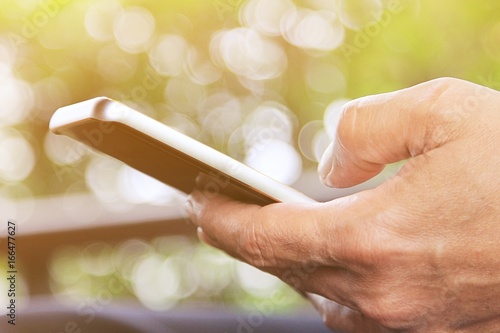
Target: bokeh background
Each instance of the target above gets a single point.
(262, 81)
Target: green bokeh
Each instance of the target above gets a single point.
(427, 39)
(56, 56)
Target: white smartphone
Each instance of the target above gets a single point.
(165, 154)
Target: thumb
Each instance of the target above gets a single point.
(386, 128)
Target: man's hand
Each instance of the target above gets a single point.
(419, 253)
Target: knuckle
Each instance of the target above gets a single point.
(387, 245)
(372, 249)
(446, 115)
(434, 89)
(444, 81)
(268, 245)
(347, 122)
(257, 251)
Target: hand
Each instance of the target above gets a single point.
(419, 253)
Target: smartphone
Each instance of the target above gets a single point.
(165, 154)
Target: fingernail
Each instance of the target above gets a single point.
(325, 164)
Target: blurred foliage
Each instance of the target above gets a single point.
(181, 61)
(167, 272)
(47, 44)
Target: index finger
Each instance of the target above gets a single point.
(257, 235)
(280, 235)
(312, 247)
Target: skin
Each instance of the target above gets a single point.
(420, 252)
